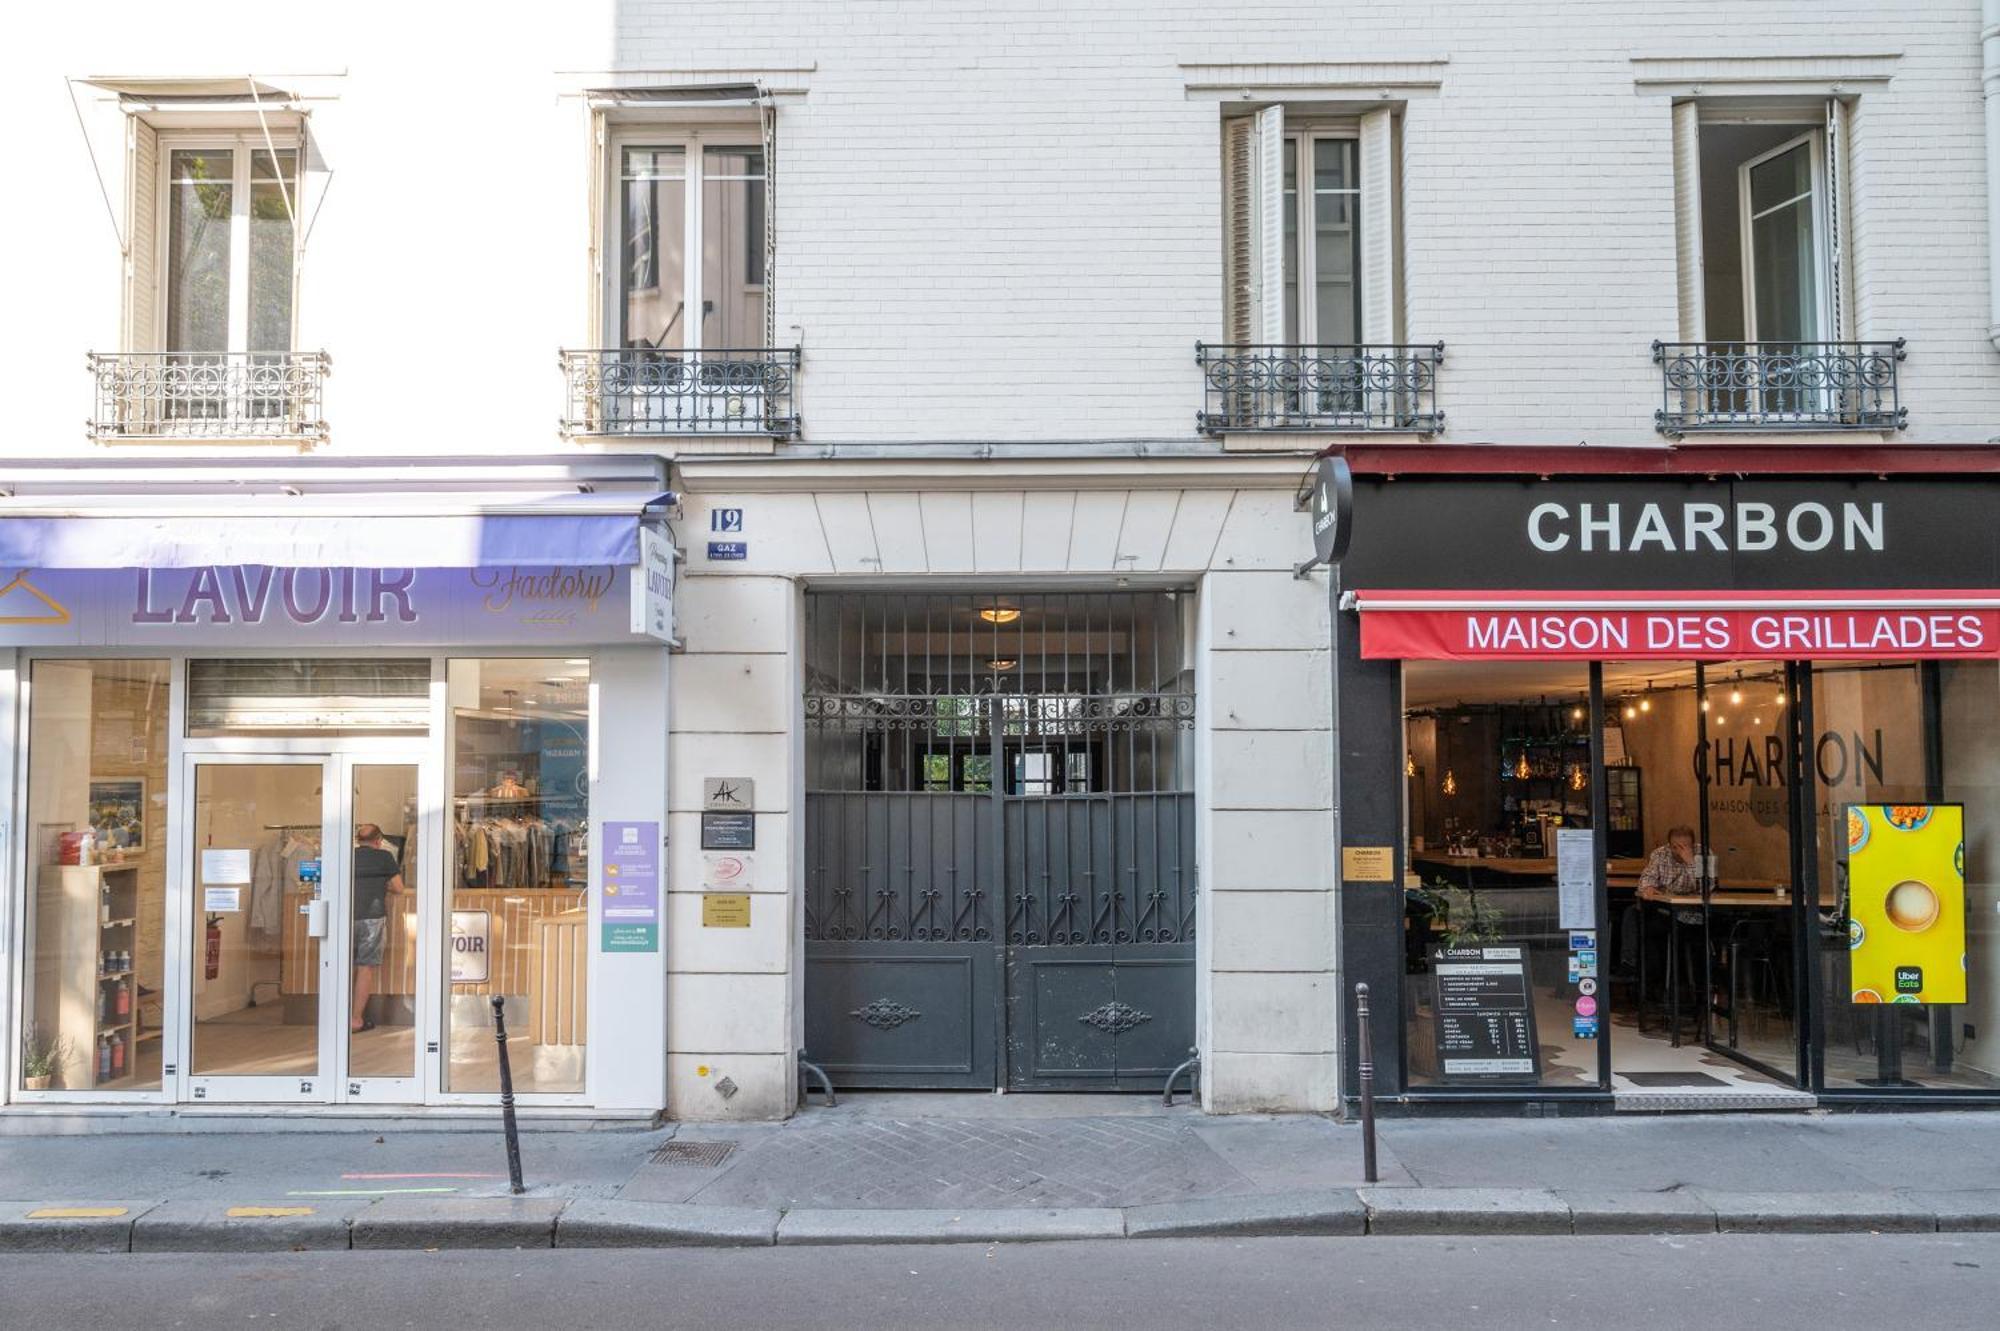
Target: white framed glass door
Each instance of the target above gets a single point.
(385, 987)
(261, 886)
(304, 902)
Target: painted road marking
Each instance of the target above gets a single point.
(413, 1176)
(79, 1212)
(265, 1212)
(364, 1192)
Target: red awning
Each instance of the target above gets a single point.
(1681, 625)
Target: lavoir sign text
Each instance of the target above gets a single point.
(228, 606)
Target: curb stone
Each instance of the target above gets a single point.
(540, 1222)
(1605, 1211)
(988, 1226)
(192, 1226)
(1465, 1211)
(597, 1223)
(1817, 1213)
(18, 1233)
(1972, 1211)
(1333, 1212)
(457, 1222)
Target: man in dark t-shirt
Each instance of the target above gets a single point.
(376, 877)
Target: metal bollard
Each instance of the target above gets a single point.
(507, 1095)
(1367, 1065)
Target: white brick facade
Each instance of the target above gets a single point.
(1004, 227)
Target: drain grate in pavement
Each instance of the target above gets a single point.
(695, 1155)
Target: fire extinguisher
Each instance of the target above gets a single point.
(214, 966)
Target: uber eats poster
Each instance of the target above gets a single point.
(1906, 902)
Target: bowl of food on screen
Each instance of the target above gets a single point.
(1912, 906)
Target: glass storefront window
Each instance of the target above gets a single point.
(96, 898)
(1969, 726)
(519, 872)
(1872, 750)
(1493, 775)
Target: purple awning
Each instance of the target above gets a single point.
(339, 531)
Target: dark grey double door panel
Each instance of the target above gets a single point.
(914, 980)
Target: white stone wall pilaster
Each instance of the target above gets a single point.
(732, 1010)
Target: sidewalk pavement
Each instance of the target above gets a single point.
(974, 1168)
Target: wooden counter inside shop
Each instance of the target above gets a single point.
(537, 939)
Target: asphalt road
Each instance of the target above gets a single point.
(1823, 1283)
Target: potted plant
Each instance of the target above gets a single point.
(43, 1059)
(1460, 918)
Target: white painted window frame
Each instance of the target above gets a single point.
(1299, 145)
(1814, 140)
(691, 140)
(242, 145)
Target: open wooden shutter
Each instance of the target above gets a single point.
(1837, 303)
(599, 179)
(1239, 227)
(1380, 290)
(1270, 227)
(1687, 221)
(142, 268)
(767, 111)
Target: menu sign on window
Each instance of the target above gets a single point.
(1485, 1015)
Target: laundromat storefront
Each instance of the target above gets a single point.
(1696, 787)
(288, 827)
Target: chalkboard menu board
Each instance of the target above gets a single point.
(1485, 1015)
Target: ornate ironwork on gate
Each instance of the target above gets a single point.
(1000, 838)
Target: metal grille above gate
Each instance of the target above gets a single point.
(1000, 880)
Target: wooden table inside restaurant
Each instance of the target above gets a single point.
(1618, 872)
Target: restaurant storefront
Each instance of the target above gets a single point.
(1682, 793)
(297, 788)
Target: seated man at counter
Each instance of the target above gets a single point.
(1671, 871)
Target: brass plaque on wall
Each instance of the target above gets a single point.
(725, 910)
(1367, 864)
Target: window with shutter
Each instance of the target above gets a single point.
(1763, 273)
(1312, 312)
(685, 250)
(1239, 202)
(1269, 306)
(142, 180)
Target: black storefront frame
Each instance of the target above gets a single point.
(1803, 790)
(1475, 532)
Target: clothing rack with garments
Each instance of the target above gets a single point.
(274, 870)
(520, 850)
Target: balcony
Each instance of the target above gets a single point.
(1803, 387)
(156, 396)
(639, 391)
(1336, 389)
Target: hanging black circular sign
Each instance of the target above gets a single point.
(1332, 508)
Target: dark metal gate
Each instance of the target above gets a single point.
(1000, 859)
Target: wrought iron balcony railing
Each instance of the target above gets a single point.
(642, 391)
(155, 395)
(1377, 387)
(1789, 386)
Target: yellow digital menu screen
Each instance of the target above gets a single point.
(1906, 902)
